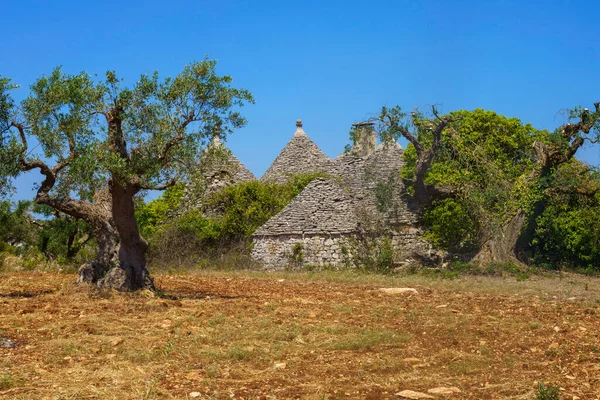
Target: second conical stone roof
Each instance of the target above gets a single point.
(300, 155)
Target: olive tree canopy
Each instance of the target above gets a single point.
(98, 143)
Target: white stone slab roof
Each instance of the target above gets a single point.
(300, 155)
(323, 208)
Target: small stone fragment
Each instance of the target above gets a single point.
(411, 394)
(444, 390)
(193, 395)
(398, 290)
(117, 341)
(280, 365)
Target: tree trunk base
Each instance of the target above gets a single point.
(503, 247)
(117, 278)
(124, 280)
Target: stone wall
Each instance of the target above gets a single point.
(293, 251)
(278, 252)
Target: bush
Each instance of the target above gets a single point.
(370, 253)
(234, 214)
(548, 392)
(450, 226)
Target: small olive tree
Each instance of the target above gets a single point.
(98, 144)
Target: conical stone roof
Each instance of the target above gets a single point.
(323, 208)
(217, 169)
(300, 155)
(218, 163)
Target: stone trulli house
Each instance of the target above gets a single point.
(362, 200)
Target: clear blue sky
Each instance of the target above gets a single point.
(330, 63)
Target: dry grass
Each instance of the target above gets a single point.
(319, 336)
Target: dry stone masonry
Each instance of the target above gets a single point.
(313, 229)
(364, 200)
(217, 169)
(300, 155)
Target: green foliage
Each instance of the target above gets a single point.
(487, 157)
(384, 255)
(237, 212)
(244, 207)
(95, 128)
(547, 392)
(63, 238)
(451, 226)
(15, 229)
(374, 253)
(384, 194)
(150, 216)
(567, 232)
(7, 381)
(297, 255)
(9, 145)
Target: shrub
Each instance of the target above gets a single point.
(450, 226)
(374, 253)
(234, 214)
(547, 392)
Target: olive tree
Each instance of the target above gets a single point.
(496, 165)
(98, 144)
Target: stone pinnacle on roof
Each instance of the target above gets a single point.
(300, 155)
(216, 141)
(299, 130)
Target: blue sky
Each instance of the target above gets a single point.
(330, 63)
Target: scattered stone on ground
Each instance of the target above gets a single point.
(444, 390)
(411, 394)
(8, 343)
(398, 290)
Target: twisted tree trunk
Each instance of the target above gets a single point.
(502, 245)
(131, 273)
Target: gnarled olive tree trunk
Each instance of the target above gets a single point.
(131, 273)
(502, 245)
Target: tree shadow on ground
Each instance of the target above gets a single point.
(25, 294)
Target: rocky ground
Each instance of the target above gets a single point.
(257, 336)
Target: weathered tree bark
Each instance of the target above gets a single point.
(94, 272)
(502, 245)
(424, 193)
(132, 272)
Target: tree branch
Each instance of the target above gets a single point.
(164, 186)
(72, 155)
(75, 208)
(177, 138)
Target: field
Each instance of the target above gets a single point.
(329, 335)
